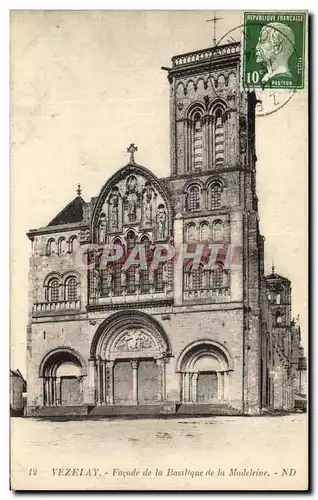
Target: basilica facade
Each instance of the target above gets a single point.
(151, 298)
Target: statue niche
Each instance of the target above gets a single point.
(161, 223)
(114, 209)
(102, 229)
(149, 196)
(131, 198)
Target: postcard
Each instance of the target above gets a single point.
(159, 216)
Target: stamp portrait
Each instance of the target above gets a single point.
(274, 50)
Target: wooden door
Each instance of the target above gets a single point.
(70, 391)
(207, 391)
(123, 383)
(148, 382)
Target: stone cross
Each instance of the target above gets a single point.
(132, 150)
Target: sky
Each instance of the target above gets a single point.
(84, 85)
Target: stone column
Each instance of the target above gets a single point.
(45, 392)
(54, 391)
(195, 387)
(49, 392)
(91, 382)
(134, 364)
(105, 381)
(186, 387)
(190, 397)
(58, 391)
(226, 384)
(159, 363)
(110, 371)
(220, 376)
(98, 380)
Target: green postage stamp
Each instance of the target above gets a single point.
(274, 50)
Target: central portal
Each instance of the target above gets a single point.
(130, 356)
(136, 382)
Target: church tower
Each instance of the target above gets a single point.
(212, 124)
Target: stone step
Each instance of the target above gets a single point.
(57, 411)
(123, 410)
(207, 409)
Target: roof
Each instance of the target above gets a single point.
(275, 276)
(73, 212)
(17, 373)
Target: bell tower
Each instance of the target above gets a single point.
(212, 121)
(213, 180)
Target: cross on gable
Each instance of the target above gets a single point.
(132, 150)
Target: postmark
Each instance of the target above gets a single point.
(274, 50)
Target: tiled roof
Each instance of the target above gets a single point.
(73, 212)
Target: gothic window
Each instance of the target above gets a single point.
(197, 278)
(54, 290)
(194, 198)
(131, 242)
(218, 136)
(131, 271)
(191, 233)
(144, 273)
(71, 288)
(218, 276)
(204, 231)
(197, 141)
(159, 284)
(215, 196)
(117, 272)
(218, 230)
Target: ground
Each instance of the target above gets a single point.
(196, 453)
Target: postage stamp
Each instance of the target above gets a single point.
(274, 50)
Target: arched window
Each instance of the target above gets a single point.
(218, 276)
(278, 298)
(218, 230)
(71, 288)
(204, 231)
(131, 271)
(51, 247)
(194, 198)
(218, 136)
(73, 244)
(62, 246)
(191, 233)
(144, 273)
(197, 141)
(215, 196)
(53, 290)
(194, 277)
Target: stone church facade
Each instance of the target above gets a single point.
(207, 335)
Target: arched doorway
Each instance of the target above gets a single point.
(129, 353)
(205, 368)
(62, 371)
